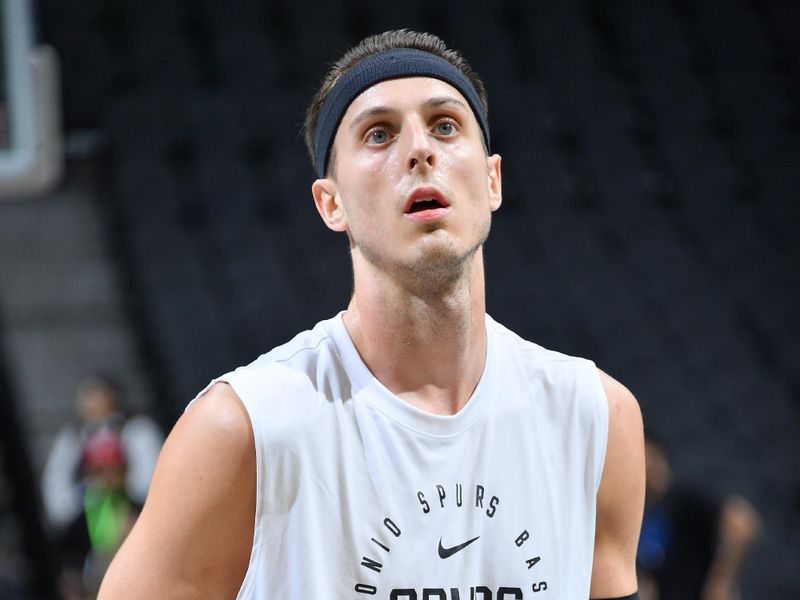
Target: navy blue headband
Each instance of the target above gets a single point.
(391, 64)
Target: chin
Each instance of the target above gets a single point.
(443, 263)
(441, 246)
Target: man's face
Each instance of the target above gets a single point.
(96, 404)
(413, 186)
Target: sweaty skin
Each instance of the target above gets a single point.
(417, 319)
(417, 312)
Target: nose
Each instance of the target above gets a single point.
(421, 151)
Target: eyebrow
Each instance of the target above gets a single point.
(370, 112)
(438, 101)
(434, 102)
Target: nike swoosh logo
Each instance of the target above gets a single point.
(448, 552)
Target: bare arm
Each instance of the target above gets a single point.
(194, 535)
(739, 526)
(620, 499)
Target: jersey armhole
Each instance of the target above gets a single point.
(248, 582)
(600, 434)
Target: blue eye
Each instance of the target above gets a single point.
(445, 128)
(379, 136)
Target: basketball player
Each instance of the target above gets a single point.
(410, 447)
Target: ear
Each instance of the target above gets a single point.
(495, 179)
(326, 198)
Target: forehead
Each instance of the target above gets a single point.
(407, 93)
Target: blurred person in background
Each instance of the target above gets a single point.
(692, 546)
(98, 407)
(106, 516)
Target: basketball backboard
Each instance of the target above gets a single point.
(30, 128)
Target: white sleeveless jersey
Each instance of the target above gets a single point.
(361, 495)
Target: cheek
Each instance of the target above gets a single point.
(370, 185)
(361, 202)
(366, 169)
(454, 156)
(463, 156)
(468, 168)
(372, 163)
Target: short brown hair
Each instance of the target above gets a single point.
(375, 44)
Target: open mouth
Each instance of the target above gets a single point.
(425, 204)
(426, 201)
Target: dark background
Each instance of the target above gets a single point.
(651, 156)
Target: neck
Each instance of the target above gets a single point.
(426, 343)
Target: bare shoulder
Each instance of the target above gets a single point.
(196, 529)
(208, 446)
(620, 399)
(220, 414)
(624, 464)
(620, 499)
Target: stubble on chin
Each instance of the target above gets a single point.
(437, 268)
